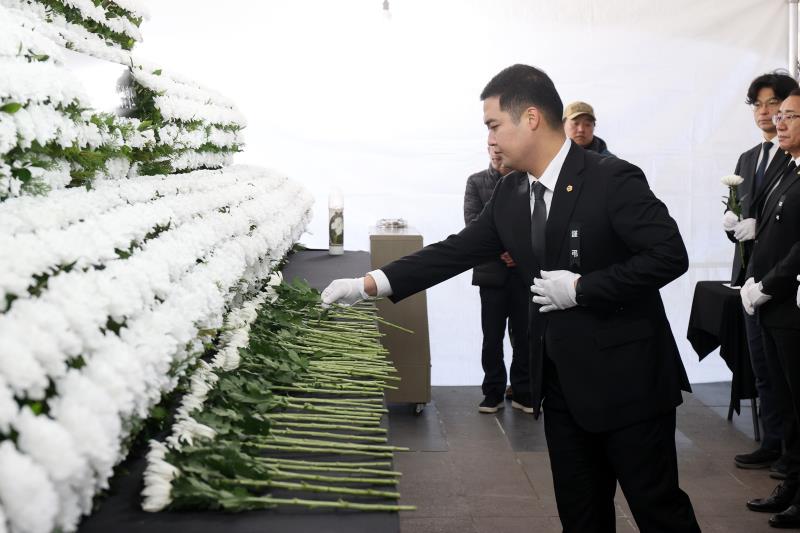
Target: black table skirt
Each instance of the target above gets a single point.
(120, 511)
(717, 320)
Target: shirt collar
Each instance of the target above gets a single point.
(549, 177)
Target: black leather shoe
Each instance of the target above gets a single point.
(760, 458)
(790, 518)
(780, 499)
(779, 468)
(491, 405)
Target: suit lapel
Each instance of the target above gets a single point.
(565, 196)
(773, 172)
(521, 210)
(749, 173)
(772, 200)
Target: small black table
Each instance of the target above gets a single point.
(121, 510)
(717, 320)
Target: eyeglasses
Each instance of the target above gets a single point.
(772, 102)
(783, 117)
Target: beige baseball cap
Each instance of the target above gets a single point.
(578, 108)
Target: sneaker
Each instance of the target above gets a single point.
(490, 405)
(509, 392)
(522, 405)
(779, 468)
(760, 458)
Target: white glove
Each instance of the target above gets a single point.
(555, 290)
(729, 220)
(752, 296)
(745, 230)
(798, 293)
(344, 292)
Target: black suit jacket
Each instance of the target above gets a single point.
(752, 200)
(776, 253)
(615, 354)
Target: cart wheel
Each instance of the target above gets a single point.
(418, 408)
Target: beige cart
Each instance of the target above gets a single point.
(409, 352)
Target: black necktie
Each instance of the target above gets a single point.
(538, 222)
(762, 166)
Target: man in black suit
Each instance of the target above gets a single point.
(770, 291)
(759, 167)
(503, 298)
(598, 246)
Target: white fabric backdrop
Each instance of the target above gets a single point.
(388, 110)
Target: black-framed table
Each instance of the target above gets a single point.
(717, 320)
(120, 511)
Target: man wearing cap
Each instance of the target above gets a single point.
(579, 122)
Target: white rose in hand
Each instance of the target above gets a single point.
(344, 292)
(732, 180)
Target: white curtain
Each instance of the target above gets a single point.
(388, 109)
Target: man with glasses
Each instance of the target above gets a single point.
(769, 290)
(759, 166)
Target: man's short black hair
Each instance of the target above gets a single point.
(794, 92)
(780, 83)
(522, 86)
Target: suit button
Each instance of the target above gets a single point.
(755, 241)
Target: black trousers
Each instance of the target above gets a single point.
(498, 306)
(769, 412)
(782, 350)
(586, 467)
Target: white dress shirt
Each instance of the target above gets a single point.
(548, 178)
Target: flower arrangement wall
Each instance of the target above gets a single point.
(194, 127)
(49, 138)
(104, 29)
(108, 297)
(112, 283)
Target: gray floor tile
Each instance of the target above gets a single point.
(493, 472)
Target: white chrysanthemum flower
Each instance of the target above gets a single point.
(27, 495)
(158, 478)
(23, 373)
(732, 180)
(91, 438)
(9, 409)
(186, 430)
(8, 133)
(71, 505)
(51, 446)
(117, 168)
